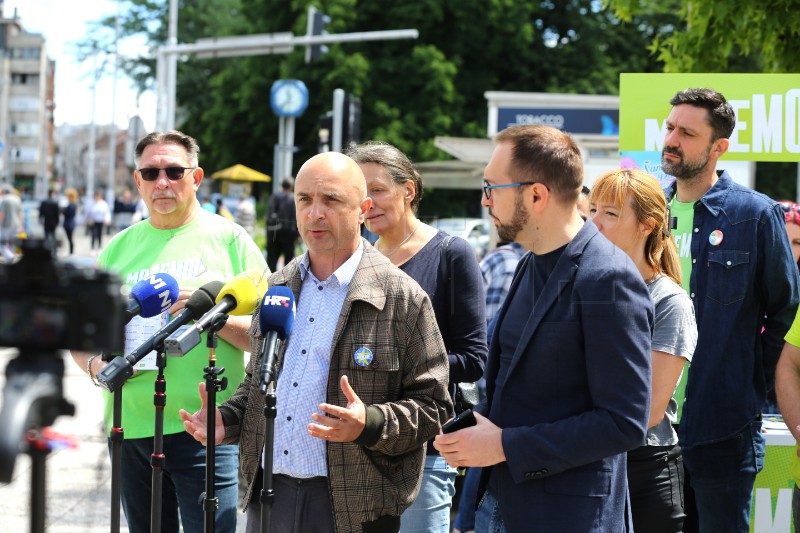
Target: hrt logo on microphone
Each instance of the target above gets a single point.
(276, 300)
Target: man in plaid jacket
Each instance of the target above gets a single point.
(365, 357)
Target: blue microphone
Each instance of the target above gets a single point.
(276, 319)
(152, 296)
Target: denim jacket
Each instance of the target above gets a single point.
(745, 295)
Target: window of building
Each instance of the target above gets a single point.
(26, 53)
(25, 79)
(23, 103)
(25, 129)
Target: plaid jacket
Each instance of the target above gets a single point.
(404, 389)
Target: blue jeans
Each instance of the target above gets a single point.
(430, 512)
(722, 475)
(183, 480)
(488, 518)
(465, 519)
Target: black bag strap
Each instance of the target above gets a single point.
(444, 281)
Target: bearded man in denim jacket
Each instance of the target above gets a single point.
(739, 272)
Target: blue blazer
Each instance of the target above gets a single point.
(577, 395)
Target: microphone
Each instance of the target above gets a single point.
(120, 369)
(152, 296)
(276, 319)
(237, 297)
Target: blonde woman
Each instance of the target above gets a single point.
(70, 212)
(629, 208)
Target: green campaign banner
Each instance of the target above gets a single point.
(767, 108)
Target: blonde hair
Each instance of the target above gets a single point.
(72, 195)
(650, 207)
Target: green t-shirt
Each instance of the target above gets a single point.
(684, 213)
(793, 338)
(207, 249)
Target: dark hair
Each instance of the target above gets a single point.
(546, 155)
(396, 163)
(721, 117)
(170, 137)
(287, 183)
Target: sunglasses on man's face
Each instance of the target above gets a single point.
(173, 173)
(791, 211)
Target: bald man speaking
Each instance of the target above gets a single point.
(362, 381)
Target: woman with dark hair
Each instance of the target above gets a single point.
(416, 248)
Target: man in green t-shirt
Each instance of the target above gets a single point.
(195, 247)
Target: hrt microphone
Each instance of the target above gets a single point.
(238, 297)
(276, 319)
(120, 369)
(152, 296)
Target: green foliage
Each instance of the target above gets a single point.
(730, 36)
(411, 90)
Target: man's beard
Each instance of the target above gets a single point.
(684, 169)
(508, 232)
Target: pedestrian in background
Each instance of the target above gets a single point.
(246, 214)
(49, 215)
(281, 225)
(70, 214)
(98, 216)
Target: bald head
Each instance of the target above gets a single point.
(335, 164)
(330, 195)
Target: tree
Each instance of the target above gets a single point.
(716, 36)
(411, 90)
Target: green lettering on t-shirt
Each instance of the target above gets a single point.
(683, 212)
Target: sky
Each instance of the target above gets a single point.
(63, 23)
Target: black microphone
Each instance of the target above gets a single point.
(120, 369)
(277, 319)
(152, 296)
(239, 296)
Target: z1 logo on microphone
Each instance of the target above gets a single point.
(158, 283)
(276, 300)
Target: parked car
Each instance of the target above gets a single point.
(476, 231)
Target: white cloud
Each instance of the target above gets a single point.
(63, 23)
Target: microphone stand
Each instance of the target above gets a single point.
(267, 387)
(116, 437)
(267, 492)
(32, 399)
(213, 384)
(157, 459)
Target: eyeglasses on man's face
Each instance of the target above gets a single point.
(173, 173)
(487, 189)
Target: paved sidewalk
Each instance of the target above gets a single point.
(78, 477)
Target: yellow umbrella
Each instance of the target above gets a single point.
(241, 173)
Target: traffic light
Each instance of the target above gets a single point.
(346, 115)
(317, 20)
(351, 121)
(325, 131)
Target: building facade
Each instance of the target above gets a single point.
(27, 79)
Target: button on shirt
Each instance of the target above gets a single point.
(303, 378)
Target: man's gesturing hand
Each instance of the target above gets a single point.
(344, 424)
(196, 424)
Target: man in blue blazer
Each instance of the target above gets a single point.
(568, 375)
